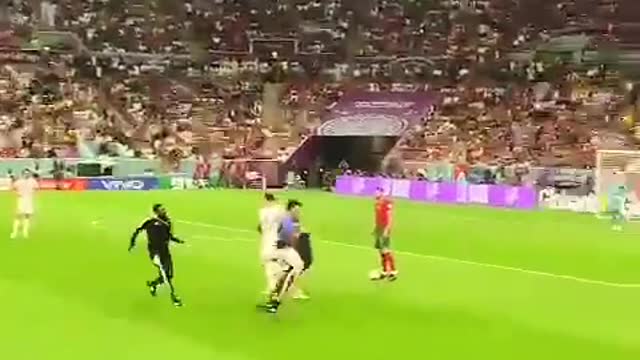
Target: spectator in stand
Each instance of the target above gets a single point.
(202, 173)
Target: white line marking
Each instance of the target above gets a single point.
(218, 238)
(213, 226)
(437, 258)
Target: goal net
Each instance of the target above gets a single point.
(615, 168)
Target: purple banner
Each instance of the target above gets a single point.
(376, 113)
(518, 197)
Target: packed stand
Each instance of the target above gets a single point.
(186, 78)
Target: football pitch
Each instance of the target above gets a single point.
(475, 283)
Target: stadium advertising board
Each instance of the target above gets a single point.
(124, 184)
(5, 184)
(376, 113)
(518, 197)
(575, 203)
(179, 183)
(63, 185)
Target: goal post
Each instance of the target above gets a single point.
(615, 168)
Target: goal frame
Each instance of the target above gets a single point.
(634, 213)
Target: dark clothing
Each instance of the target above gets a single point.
(303, 247)
(381, 242)
(58, 170)
(159, 235)
(164, 262)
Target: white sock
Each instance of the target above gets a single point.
(16, 225)
(272, 273)
(25, 227)
(269, 280)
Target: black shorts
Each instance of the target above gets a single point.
(164, 263)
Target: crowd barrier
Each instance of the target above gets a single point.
(121, 167)
(518, 197)
(136, 183)
(64, 184)
(123, 184)
(573, 181)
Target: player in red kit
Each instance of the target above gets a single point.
(382, 235)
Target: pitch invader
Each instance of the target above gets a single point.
(25, 187)
(618, 206)
(382, 237)
(287, 255)
(159, 235)
(270, 221)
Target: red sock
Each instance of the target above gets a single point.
(388, 262)
(384, 261)
(391, 261)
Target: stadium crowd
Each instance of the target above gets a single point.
(180, 79)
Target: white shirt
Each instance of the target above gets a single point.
(592, 204)
(270, 218)
(25, 188)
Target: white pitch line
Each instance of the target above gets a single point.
(218, 238)
(440, 258)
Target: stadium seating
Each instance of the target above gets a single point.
(186, 78)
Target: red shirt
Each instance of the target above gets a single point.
(203, 171)
(383, 212)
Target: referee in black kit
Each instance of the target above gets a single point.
(159, 236)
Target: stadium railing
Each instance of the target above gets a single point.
(517, 197)
(578, 182)
(135, 174)
(121, 166)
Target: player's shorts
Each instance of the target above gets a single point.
(381, 242)
(268, 251)
(290, 257)
(25, 207)
(164, 262)
(268, 254)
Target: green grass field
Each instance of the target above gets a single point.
(475, 283)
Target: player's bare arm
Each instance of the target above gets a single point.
(176, 240)
(387, 229)
(294, 238)
(132, 243)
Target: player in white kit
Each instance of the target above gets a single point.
(270, 218)
(25, 188)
